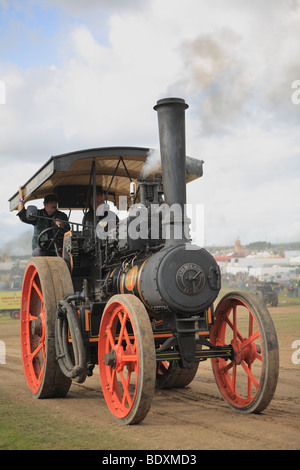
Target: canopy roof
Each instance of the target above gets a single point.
(69, 175)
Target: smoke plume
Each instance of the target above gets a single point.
(152, 163)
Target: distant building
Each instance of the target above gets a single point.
(280, 274)
(264, 266)
(238, 249)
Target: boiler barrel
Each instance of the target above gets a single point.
(182, 278)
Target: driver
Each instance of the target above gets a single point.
(51, 212)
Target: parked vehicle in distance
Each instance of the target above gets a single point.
(265, 291)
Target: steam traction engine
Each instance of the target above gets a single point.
(137, 297)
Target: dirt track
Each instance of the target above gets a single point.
(189, 419)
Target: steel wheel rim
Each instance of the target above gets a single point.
(236, 378)
(33, 329)
(118, 345)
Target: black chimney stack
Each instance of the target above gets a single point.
(171, 125)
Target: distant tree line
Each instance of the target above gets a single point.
(259, 246)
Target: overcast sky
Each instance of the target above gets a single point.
(87, 73)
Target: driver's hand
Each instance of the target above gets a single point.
(60, 225)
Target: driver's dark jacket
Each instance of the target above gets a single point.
(42, 224)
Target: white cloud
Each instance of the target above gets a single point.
(250, 185)
(15, 175)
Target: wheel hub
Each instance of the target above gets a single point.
(110, 359)
(245, 353)
(36, 327)
(117, 358)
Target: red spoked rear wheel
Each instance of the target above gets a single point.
(247, 381)
(126, 357)
(46, 281)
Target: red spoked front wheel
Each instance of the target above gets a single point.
(46, 281)
(247, 381)
(126, 357)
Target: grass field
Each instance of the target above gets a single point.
(21, 428)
